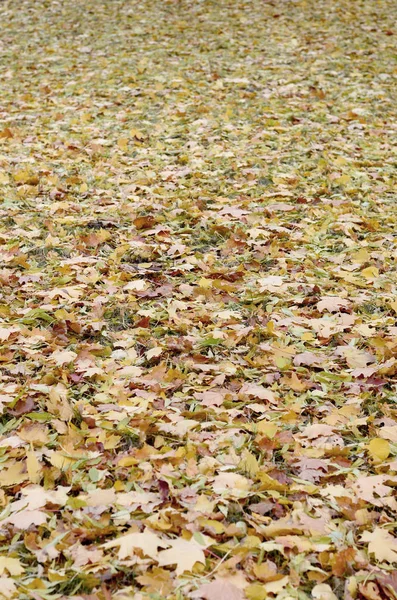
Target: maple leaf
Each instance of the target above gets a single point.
(258, 391)
(311, 469)
(82, 555)
(355, 357)
(25, 518)
(156, 581)
(271, 283)
(62, 357)
(308, 359)
(382, 544)
(183, 553)
(147, 541)
(249, 463)
(317, 430)
(36, 496)
(220, 589)
(7, 587)
(11, 565)
(211, 397)
(367, 486)
(5, 332)
(15, 473)
(389, 433)
(332, 304)
(231, 484)
(322, 591)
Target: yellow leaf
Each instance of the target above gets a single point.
(307, 336)
(379, 449)
(204, 283)
(33, 466)
(14, 474)
(370, 273)
(58, 404)
(249, 464)
(266, 571)
(341, 161)
(34, 433)
(343, 180)
(137, 134)
(362, 256)
(127, 461)
(204, 505)
(123, 144)
(136, 285)
(60, 461)
(255, 591)
(251, 541)
(111, 442)
(12, 565)
(268, 429)
(157, 581)
(274, 587)
(282, 362)
(270, 328)
(268, 483)
(212, 525)
(21, 176)
(323, 591)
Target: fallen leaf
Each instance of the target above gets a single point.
(322, 591)
(219, 590)
(184, 554)
(382, 544)
(11, 565)
(332, 304)
(379, 448)
(62, 357)
(147, 541)
(258, 391)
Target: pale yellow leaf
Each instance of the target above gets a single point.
(183, 553)
(146, 541)
(323, 591)
(62, 357)
(11, 565)
(382, 544)
(137, 285)
(154, 352)
(33, 466)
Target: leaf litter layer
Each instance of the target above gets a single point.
(198, 300)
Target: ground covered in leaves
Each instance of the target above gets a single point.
(198, 304)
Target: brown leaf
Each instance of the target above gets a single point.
(22, 407)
